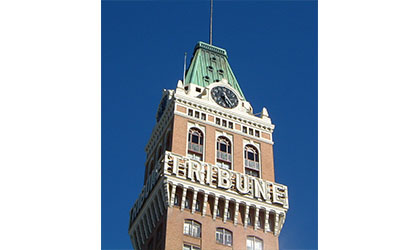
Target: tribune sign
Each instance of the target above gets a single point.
(213, 176)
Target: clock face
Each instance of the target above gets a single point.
(224, 97)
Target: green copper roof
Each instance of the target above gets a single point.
(209, 65)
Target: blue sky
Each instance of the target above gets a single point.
(272, 49)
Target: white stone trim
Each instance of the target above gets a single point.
(194, 201)
(215, 206)
(206, 197)
(266, 225)
(246, 215)
(230, 137)
(239, 132)
(173, 192)
(225, 210)
(223, 193)
(235, 220)
(184, 194)
(276, 224)
(215, 108)
(203, 130)
(257, 217)
(245, 142)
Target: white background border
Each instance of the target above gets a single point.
(50, 133)
(369, 124)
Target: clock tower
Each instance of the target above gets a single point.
(209, 173)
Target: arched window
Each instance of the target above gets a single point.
(254, 243)
(223, 236)
(192, 228)
(252, 161)
(195, 144)
(224, 152)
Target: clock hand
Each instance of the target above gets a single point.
(227, 99)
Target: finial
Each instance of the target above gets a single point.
(264, 113)
(180, 85)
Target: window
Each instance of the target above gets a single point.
(252, 162)
(231, 125)
(257, 133)
(197, 205)
(217, 121)
(198, 90)
(229, 214)
(195, 144)
(223, 236)
(218, 212)
(203, 116)
(176, 200)
(197, 114)
(224, 152)
(192, 228)
(224, 123)
(251, 131)
(254, 243)
(190, 112)
(187, 202)
(270, 225)
(248, 221)
(189, 247)
(245, 130)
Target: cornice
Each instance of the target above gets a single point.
(212, 108)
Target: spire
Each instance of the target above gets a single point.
(209, 65)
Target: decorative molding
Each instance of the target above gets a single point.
(257, 218)
(206, 197)
(194, 201)
(215, 207)
(225, 210)
(239, 132)
(235, 220)
(246, 215)
(243, 117)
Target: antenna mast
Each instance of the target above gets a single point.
(211, 21)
